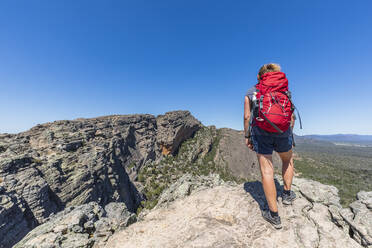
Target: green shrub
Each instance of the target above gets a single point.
(131, 165)
(141, 178)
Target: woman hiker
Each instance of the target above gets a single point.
(268, 124)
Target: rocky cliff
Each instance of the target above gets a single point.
(68, 163)
(76, 183)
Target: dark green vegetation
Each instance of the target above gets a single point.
(349, 168)
(195, 156)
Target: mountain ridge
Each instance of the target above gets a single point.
(66, 182)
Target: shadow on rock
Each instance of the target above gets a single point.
(255, 189)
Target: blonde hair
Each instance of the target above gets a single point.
(268, 68)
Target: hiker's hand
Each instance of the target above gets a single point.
(247, 143)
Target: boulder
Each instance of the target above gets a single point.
(359, 218)
(84, 226)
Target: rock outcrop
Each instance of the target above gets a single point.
(68, 163)
(172, 128)
(13, 222)
(87, 225)
(358, 218)
(229, 215)
(77, 183)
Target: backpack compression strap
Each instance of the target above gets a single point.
(268, 121)
(272, 124)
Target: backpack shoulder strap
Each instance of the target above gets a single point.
(288, 93)
(250, 93)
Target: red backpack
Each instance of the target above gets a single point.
(275, 107)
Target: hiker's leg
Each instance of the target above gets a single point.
(267, 173)
(287, 168)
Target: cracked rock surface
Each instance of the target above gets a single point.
(359, 218)
(87, 225)
(229, 215)
(67, 163)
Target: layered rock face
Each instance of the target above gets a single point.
(173, 128)
(69, 163)
(76, 183)
(13, 222)
(205, 212)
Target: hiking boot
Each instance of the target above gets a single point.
(287, 199)
(275, 221)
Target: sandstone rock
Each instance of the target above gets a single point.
(316, 192)
(173, 128)
(87, 225)
(89, 163)
(187, 184)
(67, 163)
(360, 218)
(365, 198)
(229, 215)
(13, 222)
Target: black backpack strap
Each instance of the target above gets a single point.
(288, 93)
(252, 105)
(299, 116)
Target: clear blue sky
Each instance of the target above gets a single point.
(70, 59)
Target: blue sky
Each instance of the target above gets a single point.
(71, 59)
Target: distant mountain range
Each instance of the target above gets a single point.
(343, 139)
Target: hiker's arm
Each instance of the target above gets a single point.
(293, 118)
(247, 114)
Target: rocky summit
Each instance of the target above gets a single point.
(223, 214)
(157, 181)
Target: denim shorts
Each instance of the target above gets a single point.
(266, 142)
